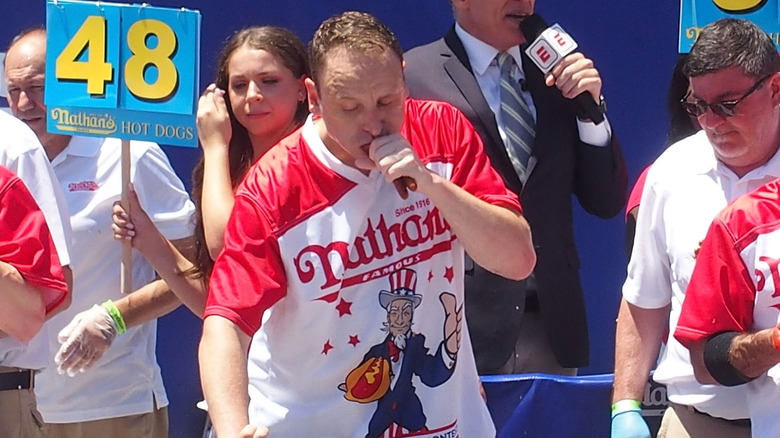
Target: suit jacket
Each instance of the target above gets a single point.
(560, 165)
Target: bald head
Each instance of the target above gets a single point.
(33, 31)
(25, 69)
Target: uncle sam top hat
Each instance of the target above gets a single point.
(402, 286)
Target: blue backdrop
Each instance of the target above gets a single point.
(634, 46)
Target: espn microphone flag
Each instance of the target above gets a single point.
(550, 47)
(547, 47)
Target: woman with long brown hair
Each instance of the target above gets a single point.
(257, 99)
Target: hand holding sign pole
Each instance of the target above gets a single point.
(124, 71)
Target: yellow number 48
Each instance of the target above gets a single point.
(91, 37)
(95, 71)
(144, 57)
(739, 6)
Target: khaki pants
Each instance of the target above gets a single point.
(19, 416)
(151, 425)
(681, 421)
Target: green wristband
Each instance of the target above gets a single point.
(117, 317)
(626, 405)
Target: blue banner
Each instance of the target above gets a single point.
(695, 14)
(119, 70)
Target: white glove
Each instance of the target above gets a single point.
(84, 340)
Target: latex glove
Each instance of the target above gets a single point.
(629, 424)
(84, 340)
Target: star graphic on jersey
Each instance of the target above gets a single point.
(344, 307)
(449, 274)
(430, 275)
(327, 347)
(353, 340)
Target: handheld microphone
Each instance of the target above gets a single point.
(548, 45)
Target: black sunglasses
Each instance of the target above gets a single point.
(722, 109)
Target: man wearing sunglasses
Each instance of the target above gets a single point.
(735, 93)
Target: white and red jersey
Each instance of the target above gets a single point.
(22, 154)
(27, 245)
(25, 240)
(735, 286)
(310, 246)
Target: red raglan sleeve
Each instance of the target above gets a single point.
(248, 276)
(442, 132)
(720, 295)
(25, 242)
(635, 197)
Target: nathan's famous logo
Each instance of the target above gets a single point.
(375, 243)
(83, 121)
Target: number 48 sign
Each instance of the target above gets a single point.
(695, 14)
(126, 71)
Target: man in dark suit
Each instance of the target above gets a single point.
(569, 155)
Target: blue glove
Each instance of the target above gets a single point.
(629, 424)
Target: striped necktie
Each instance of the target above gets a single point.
(519, 125)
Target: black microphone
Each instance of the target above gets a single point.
(546, 47)
(523, 85)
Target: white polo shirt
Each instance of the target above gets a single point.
(126, 380)
(22, 153)
(685, 188)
